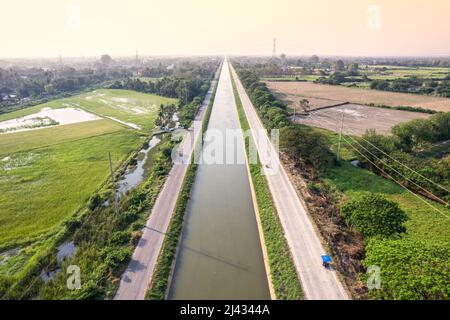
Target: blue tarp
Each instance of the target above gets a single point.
(326, 259)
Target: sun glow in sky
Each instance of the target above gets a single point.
(200, 27)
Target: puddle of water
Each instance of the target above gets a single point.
(40, 119)
(65, 250)
(135, 175)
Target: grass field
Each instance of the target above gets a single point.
(47, 174)
(294, 91)
(395, 72)
(128, 106)
(425, 223)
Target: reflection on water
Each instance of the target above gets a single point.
(135, 174)
(65, 250)
(220, 254)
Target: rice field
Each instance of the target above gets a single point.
(47, 173)
(129, 108)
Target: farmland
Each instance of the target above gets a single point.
(47, 174)
(358, 118)
(322, 95)
(131, 108)
(383, 72)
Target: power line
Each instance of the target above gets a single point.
(427, 191)
(404, 165)
(430, 193)
(423, 200)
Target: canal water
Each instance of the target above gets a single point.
(220, 255)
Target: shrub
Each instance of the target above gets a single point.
(410, 269)
(374, 215)
(304, 144)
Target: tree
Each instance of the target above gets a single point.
(304, 145)
(339, 65)
(374, 215)
(410, 269)
(106, 59)
(314, 59)
(413, 134)
(165, 115)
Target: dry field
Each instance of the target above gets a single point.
(321, 95)
(358, 118)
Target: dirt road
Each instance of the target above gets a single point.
(304, 242)
(138, 275)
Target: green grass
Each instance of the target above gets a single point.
(395, 72)
(125, 105)
(55, 171)
(283, 273)
(29, 140)
(424, 223)
(291, 78)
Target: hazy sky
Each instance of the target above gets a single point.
(342, 27)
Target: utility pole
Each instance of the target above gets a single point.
(116, 196)
(340, 137)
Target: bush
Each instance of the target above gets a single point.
(410, 269)
(304, 144)
(374, 215)
(115, 256)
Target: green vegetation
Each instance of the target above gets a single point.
(105, 240)
(424, 223)
(427, 176)
(304, 144)
(158, 286)
(410, 270)
(45, 165)
(125, 105)
(404, 108)
(283, 273)
(374, 215)
(369, 198)
(65, 172)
